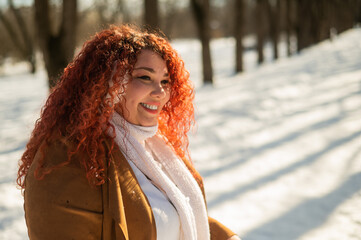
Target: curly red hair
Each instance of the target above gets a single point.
(81, 104)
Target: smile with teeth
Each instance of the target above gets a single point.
(150, 107)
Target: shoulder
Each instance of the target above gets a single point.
(60, 152)
(62, 203)
(52, 153)
(63, 184)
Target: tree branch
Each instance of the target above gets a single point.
(10, 29)
(22, 26)
(42, 18)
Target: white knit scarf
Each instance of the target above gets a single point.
(167, 172)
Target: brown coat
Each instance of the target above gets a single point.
(65, 206)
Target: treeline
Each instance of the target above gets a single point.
(55, 28)
(301, 22)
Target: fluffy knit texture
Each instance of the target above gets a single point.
(167, 172)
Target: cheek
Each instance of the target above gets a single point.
(128, 101)
(133, 94)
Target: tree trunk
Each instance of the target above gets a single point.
(358, 12)
(261, 28)
(28, 43)
(289, 23)
(303, 24)
(68, 28)
(239, 22)
(273, 16)
(201, 11)
(58, 48)
(320, 20)
(315, 24)
(322, 15)
(151, 15)
(170, 18)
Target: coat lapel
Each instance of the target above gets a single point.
(127, 203)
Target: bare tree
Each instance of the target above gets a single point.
(288, 8)
(321, 15)
(239, 25)
(170, 11)
(57, 46)
(110, 11)
(261, 11)
(273, 10)
(201, 9)
(151, 13)
(23, 41)
(308, 23)
(346, 12)
(303, 24)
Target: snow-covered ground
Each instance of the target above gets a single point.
(279, 146)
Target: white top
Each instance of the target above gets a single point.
(165, 215)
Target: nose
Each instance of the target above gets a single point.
(158, 91)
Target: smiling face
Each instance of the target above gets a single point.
(147, 91)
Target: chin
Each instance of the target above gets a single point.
(148, 123)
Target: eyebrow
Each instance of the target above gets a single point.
(149, 70)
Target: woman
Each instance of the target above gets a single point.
(108, 157)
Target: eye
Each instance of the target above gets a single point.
(144, 77)
(165, 82)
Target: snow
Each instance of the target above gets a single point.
(279, 146)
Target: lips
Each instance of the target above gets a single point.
(150, 106)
